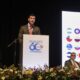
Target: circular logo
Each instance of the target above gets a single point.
(77, 31)
(69, 46)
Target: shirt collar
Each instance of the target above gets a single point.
(29, 27)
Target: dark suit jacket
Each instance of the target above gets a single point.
(69, 64)
(24, 30)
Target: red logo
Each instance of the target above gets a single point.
(68, 39)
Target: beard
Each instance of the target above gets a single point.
(31, 23)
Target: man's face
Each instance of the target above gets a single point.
(73, 56)
(31, 20)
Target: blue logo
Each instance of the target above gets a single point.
(68, 56)
(68, 52)
(77, 31)
(69, 46)
(35, 46)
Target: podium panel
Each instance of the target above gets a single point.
(35, 51)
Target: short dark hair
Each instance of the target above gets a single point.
(73, 53)
(32, 14)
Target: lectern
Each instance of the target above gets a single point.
(35, 51)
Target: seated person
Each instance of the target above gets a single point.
(71, 63)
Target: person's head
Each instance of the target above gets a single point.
(73, 55)
(31, 19)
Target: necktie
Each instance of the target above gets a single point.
(30, 30)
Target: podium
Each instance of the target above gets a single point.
(35, 51)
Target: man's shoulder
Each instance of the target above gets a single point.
(37, 27)
(24, 26)
(67, 61)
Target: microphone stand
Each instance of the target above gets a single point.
(14, 41)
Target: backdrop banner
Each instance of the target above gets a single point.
(70, 35)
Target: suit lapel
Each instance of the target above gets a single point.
(27, 31)
(34, 29)
(70, 63)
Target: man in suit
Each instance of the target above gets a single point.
(31, 29)
(71, 64)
